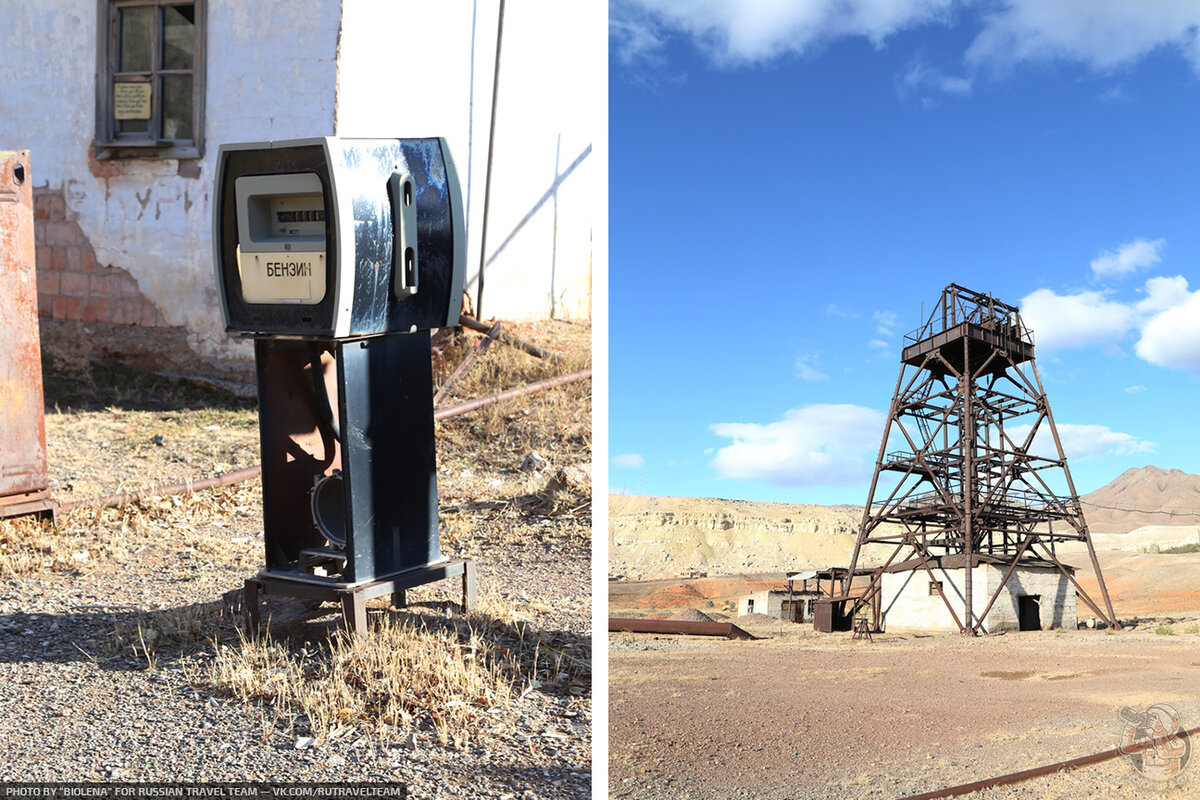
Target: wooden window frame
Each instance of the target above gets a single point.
(108, 143)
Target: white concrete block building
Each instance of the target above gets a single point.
(124, 118)
(1036, 596)
(779, 603)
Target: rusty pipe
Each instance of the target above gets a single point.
(237, 476)
(1048, 769)
(509, 394)
(508, 338)
(677, 626)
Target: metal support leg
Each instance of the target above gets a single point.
(354, 612)
(250, 606)
(400, 599)
(468, 585)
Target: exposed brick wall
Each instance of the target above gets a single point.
(71, 285)
(97, 310)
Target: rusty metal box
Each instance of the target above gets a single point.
(23, 479)
(829, 615)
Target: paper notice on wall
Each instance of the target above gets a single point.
(131, 101)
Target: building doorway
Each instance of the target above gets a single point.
(1029, 614)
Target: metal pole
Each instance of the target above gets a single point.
(968, 480)
(480, 402)
(487, 181)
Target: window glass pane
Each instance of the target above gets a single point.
(179, 36)
(177, 106)
(136, 25)
(133, 125)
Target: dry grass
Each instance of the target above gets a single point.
(87, 537)
(551, 419)
(461, 678)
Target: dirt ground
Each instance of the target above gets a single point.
(798, 714)
(806, 715)
(112, 621)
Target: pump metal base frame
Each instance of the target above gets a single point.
(353, 598)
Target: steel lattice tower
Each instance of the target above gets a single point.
(967, 407)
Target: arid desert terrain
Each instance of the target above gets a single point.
(799, 714)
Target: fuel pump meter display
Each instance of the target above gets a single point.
(281, 242)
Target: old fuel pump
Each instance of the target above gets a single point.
(337, 256)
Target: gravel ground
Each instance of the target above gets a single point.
(70, 712)
(78, 704)
(804, 715)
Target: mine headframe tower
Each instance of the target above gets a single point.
(960, 434)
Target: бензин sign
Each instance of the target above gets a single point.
(282, 278)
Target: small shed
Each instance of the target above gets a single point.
(791, 606)
(1036, 596)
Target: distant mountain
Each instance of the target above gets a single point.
(1141, 497)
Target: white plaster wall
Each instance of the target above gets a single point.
(271, 73)
(548, 174)
(1056, 607)
(760, 604)
(765, 602)
(908, 606)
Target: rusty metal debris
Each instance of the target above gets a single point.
(462, 369)
(226, 479)
(727, 629)
(509, 394)
(24, 482)
(508, 338)
(1050, 769)
(968, 405)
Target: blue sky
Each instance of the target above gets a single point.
(792, 183)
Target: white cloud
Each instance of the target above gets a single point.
(629, 461)
(805, 370)
(1127, 258)
(1082, 441)
(1163, 294)
(636, 38)
(923, 81)
(1167, 321)
(816, 445)
(1102, 34)
(1171, 337)
(1067, 321)
(1116, 94)
(886, 322)
(737, 32)
(1137, 388)
(834, 310)
(877, 344)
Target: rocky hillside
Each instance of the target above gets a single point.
(1141, 497)
(661, 537)
(653, 537)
